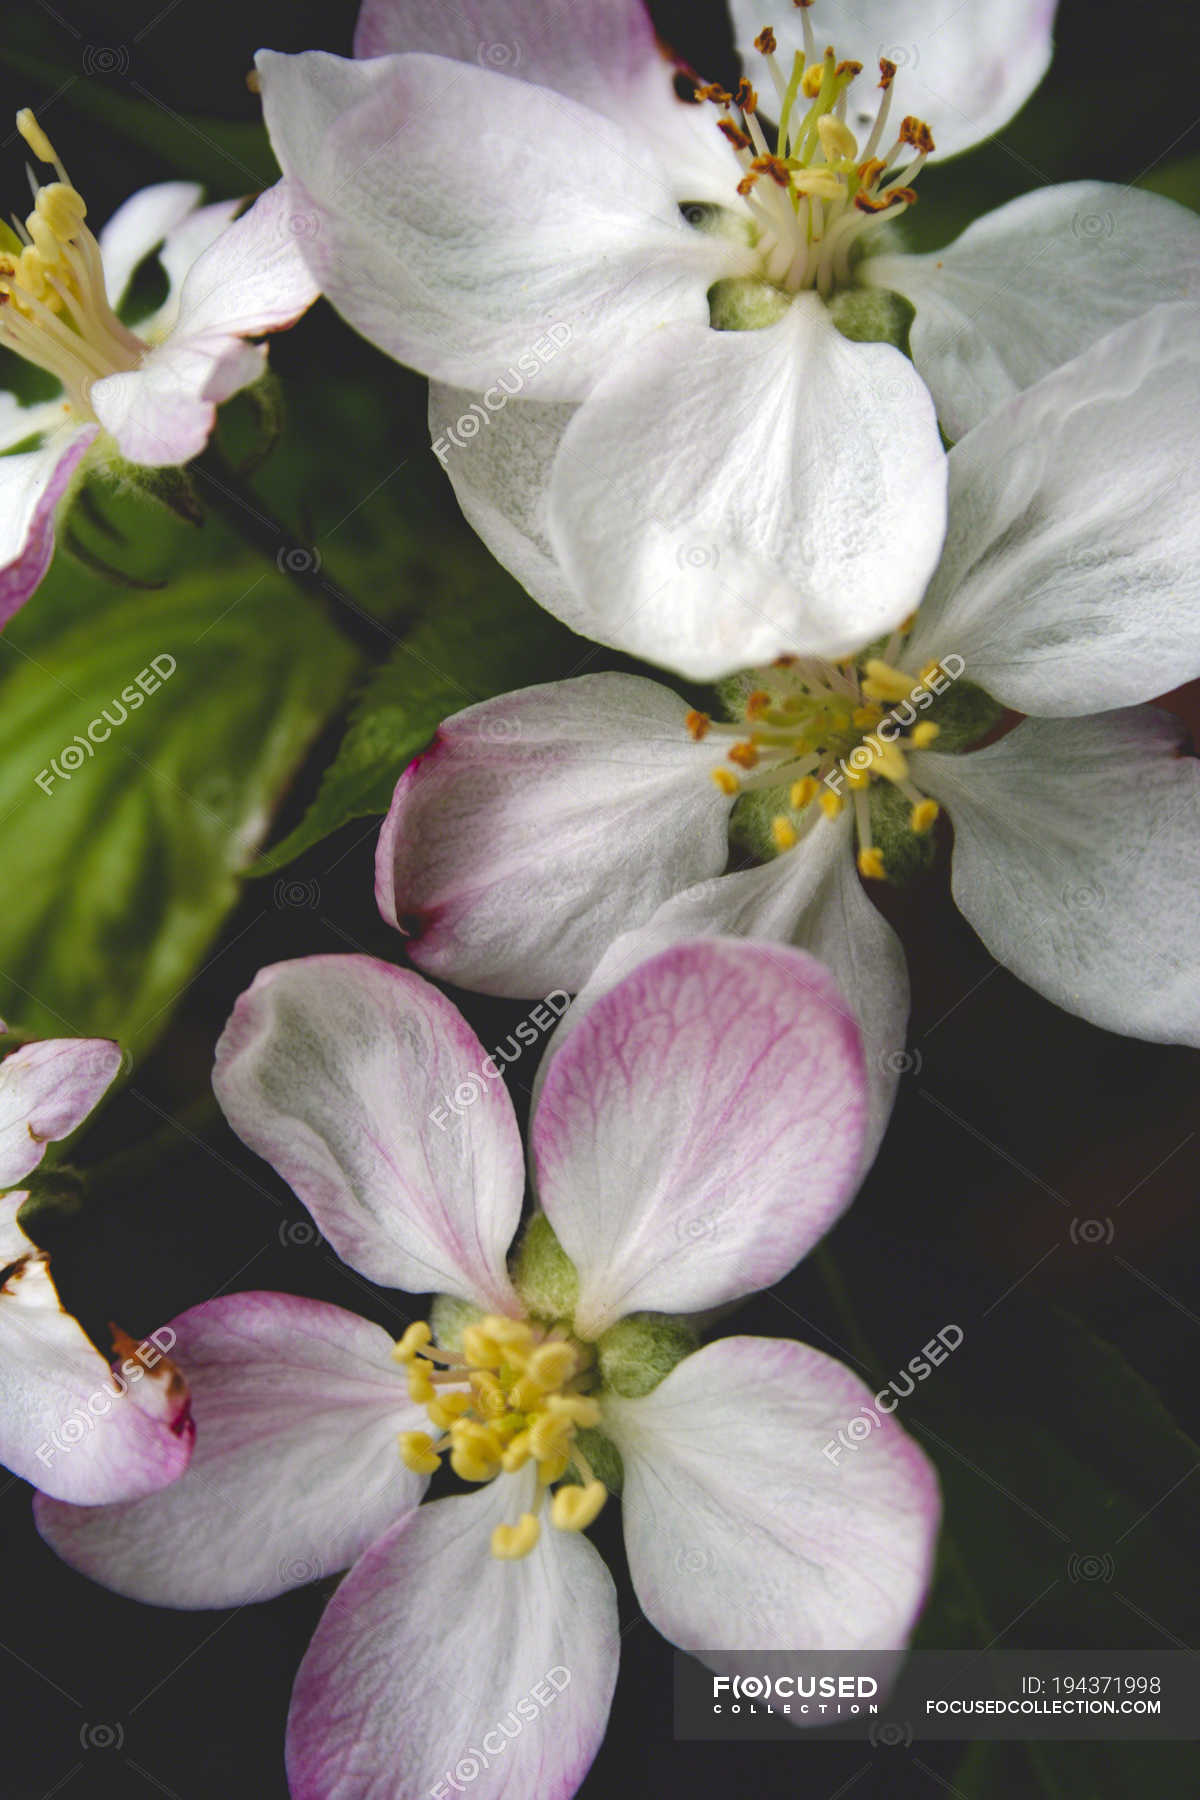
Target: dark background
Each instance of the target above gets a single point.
(1015, 1123)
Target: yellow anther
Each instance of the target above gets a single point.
(512, 1334)
(447, 1408)
(784, 835)
(516, 1454)
(549, 1435)
(890, 761)
(35, 137)
(811, 81)
(575, 1508)
(802, 793)
(474, 1451)
(819, 182)
(866, 716)
(480, 1349)
(526, 1395)
(552, 1364)
(930, 670)
(744, 754)
(886, 683)
(757, 703)
(870, 865)
(923, 734)
(726, 781)
(511, 1542)
(837, 140)
(414, 1339)
(831, 804)
(63, 209)
(923, 815)
(857, 779)
(697, 724)
(420, 1387)
(489, 1395)
(577, 1407)
(418, 1453)
(45, 241)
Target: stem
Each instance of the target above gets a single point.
(232, 499)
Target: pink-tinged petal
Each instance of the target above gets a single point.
(539, 825)
(296, 1468)
(181, 248)
(750, 1526)
(47, 1089)
(811, 898)
(701, 1129)
(1077, 860)
(140, 226)
(163, 413)
(964, 68)
(32, 484)
(555, 244)
(341, 1071)
(431, 1647)
(606, 56)
(68, 1423)
(723, 498)
(251, 278)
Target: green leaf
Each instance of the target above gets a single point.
(121, 868)
(481, 636)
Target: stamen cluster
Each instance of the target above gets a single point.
(516, 1393)
(815, 194)
(54, 309)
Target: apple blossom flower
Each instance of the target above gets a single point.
(701, 498)
(146, 396)
(697, 1134)
(1068, 591)
(69, 1424)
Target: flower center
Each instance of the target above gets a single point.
(816, 194)
(54, 309)
(824, 733)
(515, 1393)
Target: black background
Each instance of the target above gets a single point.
(1014, 1122)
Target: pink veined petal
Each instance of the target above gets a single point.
(251, 277)
(540, 824)
(296, 1469)
(342, 1072)
(749, 1525)
(431, 1646)
(701, 1129)
(32, 483)
(68, 1424)
(46, 1090)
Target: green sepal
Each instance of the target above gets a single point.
(449, 1317)
(744, 303)
(907, 854)
(869, 315)
(637, 1352)
(963, 715)
(544, 1276)
(604, 1457)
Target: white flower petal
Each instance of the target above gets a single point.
(1077, 860)
(743, 1533)
(333, 1068)
(65, 1423)
(139, 226)
(727, 497)
(1031, 285)
(537, 826)
(965, 66)
(47, 1089)
(701, 1129)
(435, 1657)
(461, 264)
(182, 247)
(296, 1469)
(18, 422)
(499, 460)
(1070, 581)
